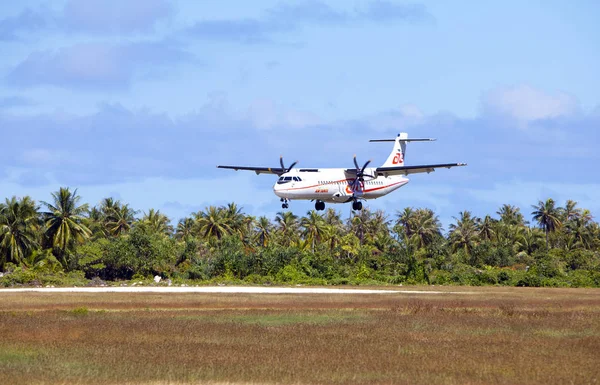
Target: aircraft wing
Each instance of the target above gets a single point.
(257, 170)
(405, 170)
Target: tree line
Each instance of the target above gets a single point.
(65, 238)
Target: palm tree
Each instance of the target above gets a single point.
(427, 227)
(511, 215)
(406, 219)
(263, 230)
(579, 231)
(95, 222)
(64, 222)
(119, 219)
(157, 222)
(108, 205)
(18, 229)
(313, 225)
(333, 218)
(383, 241)
(185, 228)
(359, 224)
(464, 233)
(487, 228)
(235, 218)
(213, 223)
(547, 216)
(586, 216)
(334, 228)
(529, 240)
(570, 211)
(508, 227)
(287, 224)
(378, 224)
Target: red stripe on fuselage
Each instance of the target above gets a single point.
(317, 185)
(382, 187)
(347, 180)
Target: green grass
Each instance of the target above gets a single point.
(500, 336)
(278, 318)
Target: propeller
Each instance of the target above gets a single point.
(360, 173)
(286, 169)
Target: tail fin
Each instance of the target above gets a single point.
(398, 153)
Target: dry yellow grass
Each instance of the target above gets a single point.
(497, 335)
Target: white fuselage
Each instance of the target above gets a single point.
(334, 185)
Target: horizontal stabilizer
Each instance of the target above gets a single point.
(404, 140)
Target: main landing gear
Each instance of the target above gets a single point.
(357, 205)
(319, 205)
(284, 204)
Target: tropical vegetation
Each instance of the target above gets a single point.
(65, 241)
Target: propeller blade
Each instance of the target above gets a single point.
(281, 162)
(365, 166)
(356, 163)
(291, 166)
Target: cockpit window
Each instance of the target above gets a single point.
(284, 179)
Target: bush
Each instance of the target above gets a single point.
(581, 278)
(22, 276)
(291, 274)
(258, 279)
(581, 259)
(530, 280)
(19, 276)
(139, 252)
(441, 277)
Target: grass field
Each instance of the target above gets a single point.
(483, 336)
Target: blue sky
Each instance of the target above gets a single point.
(141, 99)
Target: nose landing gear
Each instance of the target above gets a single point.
(284, 204)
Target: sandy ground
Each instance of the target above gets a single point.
(220, 289)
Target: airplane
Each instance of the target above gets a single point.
(343, 185)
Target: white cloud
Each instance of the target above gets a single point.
(95, 65)
(266, 115)
(526, 193)
(525, 103)
(115, 16)
(402, 118)
(43, 156)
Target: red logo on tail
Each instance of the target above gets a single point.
(398, 158)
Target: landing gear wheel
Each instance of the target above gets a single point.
(357, 206)
(285, 205)
(319, 205)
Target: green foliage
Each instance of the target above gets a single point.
(89, 257)
(80, 311)
(71, 242)
(22, 276)
(140, 251)
(582, 259)
(291, 274)
(43, 261)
